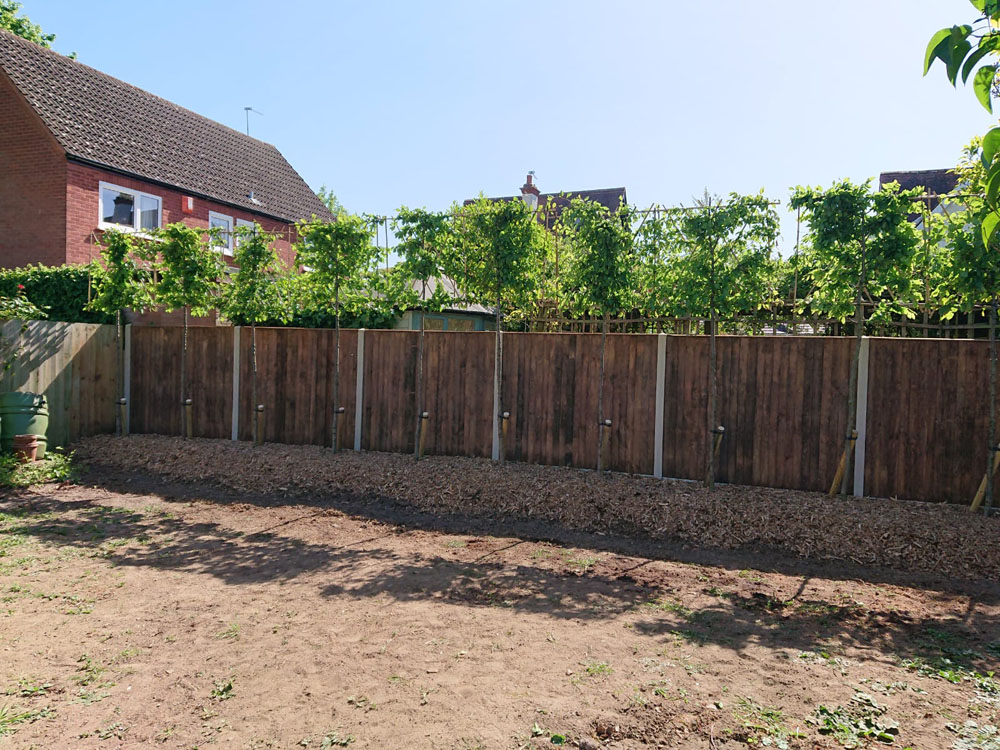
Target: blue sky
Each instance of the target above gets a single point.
(423, 103)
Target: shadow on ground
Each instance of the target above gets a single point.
(370, 567)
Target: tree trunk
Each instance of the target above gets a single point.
(184, 348)
(498, 375)
(253, 381)
(335, 391)
(119, 374)
(993, 407)
(847, 480)
(600, 395)
(420, 378)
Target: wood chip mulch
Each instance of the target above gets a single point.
(925, 537)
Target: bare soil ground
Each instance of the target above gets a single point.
(136, 612)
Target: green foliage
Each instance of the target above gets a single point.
(19, 307)
(337, 255)
(600, 266)
(55, 467)
(330, 201)
(852, 726)
(424, 241)
(61, 292)
(726, 258)
(123, 282)
(190, 271)
(498, 245)
(859, 237)
(259, 290)
(12, 20)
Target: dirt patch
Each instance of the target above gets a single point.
(187, 615)
(935, 538)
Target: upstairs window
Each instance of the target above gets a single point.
(245, 226)
(223, 226)
(125, 208)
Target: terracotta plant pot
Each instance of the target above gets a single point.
(26, 447)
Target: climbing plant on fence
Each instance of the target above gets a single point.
(190, 272)
(124, 282)
(497, 247)
(424, 241)
(724, 268)
(256, 293)
(601, 270)
(335, 255)
(862, 247)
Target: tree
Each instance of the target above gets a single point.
(256, 293)
(12, 20)
(335, 254)
(124, 282)
(422, 239)
(190, 273)
(724, 269)
(862, 247)
(601, 270)
(497, 246)
(330, 201)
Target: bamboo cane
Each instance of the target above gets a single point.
(977, 501)
(842, 466)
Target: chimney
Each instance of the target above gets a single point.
(530, 192)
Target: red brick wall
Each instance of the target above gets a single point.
(82, 208)
(32, 186)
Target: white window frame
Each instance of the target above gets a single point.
(226, 249)
(252, 225)
(137, 196)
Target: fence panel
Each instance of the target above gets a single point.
(458, 393)
(389, 410)
(294, 377)
(156, 380)
(74, 365)
(928, 416)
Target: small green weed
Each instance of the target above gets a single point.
(10, 717)
(222, 690)
(55, 467)
(852, 726)
(971, 736)
(231, 633)
(334, 739)
(598, 668)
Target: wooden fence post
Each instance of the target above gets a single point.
(236, 383)
(127, 384)
(359, 389)
(861, 419)
(661, 372)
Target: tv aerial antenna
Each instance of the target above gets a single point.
(248, 110)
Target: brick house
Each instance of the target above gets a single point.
(81, 151)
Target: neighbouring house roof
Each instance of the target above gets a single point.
(102, 121)
(933, 181)
(610, 197)
(451, 288)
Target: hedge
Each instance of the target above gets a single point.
(61, 291)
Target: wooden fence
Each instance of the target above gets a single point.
(921, 412)
(73, 365)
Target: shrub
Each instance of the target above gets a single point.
(61, 291)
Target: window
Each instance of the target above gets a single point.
(125, 208)
(223, 225)
(247, 226)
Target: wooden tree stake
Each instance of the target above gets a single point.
(977, 501)
(188, 419)
(422, 434)
(605, 430)
(842, 466)
(259, 436)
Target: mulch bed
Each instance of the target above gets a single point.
(932, 538)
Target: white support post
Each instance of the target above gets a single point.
(127, 385)
(236, 383)
(661, 372)
(861, 417)
(359, 389)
